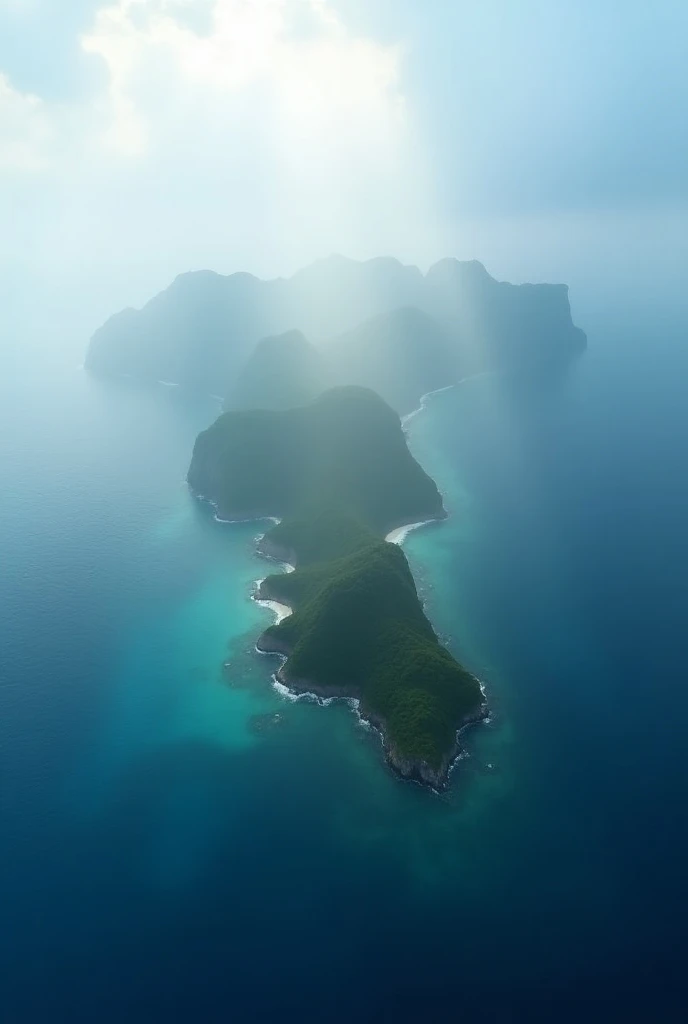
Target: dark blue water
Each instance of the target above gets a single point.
(166, 857)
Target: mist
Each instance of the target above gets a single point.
(142, 139)
(344, 559)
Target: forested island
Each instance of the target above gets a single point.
(345, 450)
(358, 630)
(379, 324)
(340, 473)
(313, 372)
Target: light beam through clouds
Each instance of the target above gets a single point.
(252, 134)
(142, 138)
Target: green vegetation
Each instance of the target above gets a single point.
(358, 629)
(340, 473)
(346, 450)
(402, 355)
(322, 536)
(202, 329)
(281, 372)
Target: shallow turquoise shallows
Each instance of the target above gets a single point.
(181, 842)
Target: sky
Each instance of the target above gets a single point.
(143, 138)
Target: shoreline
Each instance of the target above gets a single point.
(399, 535)
(257, 517)
(445, 387)
(435, 779)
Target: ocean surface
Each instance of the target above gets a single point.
(181, 843)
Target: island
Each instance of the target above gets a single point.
(377, 323)
(401, 355)
(282, 371)
(314, 372)
(338, 474)
(345, 450)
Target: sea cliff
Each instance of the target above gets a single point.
(434, 774)
(378, 324)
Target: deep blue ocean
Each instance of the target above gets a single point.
(171, 852)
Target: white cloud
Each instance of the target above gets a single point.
(26, 129)
(290, 63)
(320, 85)
(236, 134)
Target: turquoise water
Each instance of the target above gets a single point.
(174, 851)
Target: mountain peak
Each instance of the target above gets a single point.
(201, 330)
(466, 270)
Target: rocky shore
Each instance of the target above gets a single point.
(339, 470)
(407, 768)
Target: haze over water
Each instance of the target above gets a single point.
(168, 855)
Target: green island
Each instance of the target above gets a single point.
(339, 474)
(344, 450)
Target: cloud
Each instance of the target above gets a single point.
(26, 129)
(173, 66)
(290, 64)
(252, 134)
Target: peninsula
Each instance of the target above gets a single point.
(340, 474)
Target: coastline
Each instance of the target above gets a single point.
(242, 517)
(446, 387)
(293, 689)
(436, 778)
(399, 535)
(422, 773)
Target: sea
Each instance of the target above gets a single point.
(181, 842)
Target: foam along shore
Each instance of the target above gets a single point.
(394, 663)
(435, 778)
(257, 517)
(436, 781)
(428, 394)
(399, 535)
(411, 770)
(280, 611)
(438, 391)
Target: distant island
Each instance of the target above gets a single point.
(378, 324)
(340, 474)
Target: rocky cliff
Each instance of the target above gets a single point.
(201, 329)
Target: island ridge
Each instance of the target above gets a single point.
(340, 473)
(378, 324)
